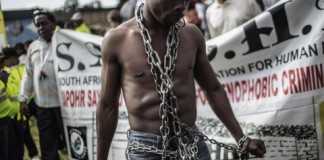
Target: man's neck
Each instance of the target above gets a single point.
(152, 24)
(44, 40)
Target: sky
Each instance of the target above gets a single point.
(49, 4)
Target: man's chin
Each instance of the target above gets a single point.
(171, 22)
(45, 36)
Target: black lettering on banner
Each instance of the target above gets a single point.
(303, 52)
(66, 57)
(280, 21)
(94, 50)
(69, 81)
(260, 65)
(233, 71)
(212, 53)
(319, 4)
(281, 27)
(252, 38)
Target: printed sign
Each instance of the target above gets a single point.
(77, 137)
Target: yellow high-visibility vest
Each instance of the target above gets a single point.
(13, 87)
(7, 109)
(83, 28)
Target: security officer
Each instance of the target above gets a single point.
(11, 137)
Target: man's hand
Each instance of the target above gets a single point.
(24, 110)
(256, 147)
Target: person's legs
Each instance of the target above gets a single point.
(29, 141)
(60, 128)
(47, 134)
(11, 140)
(4, 140)
(16, 140)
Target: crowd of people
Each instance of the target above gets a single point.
(28, 86)
(212, 17)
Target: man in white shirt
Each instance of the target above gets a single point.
(39, 80)
(224, 15)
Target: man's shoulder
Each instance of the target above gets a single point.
(121, 32)
(116, 38)
(192, 33)
(34, 42)
(34, 46)
(192, 30)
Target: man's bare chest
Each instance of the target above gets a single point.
(134, 59)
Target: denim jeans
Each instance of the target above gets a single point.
(155, 140)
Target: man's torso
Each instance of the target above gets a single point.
(138, 86)
(41, 61)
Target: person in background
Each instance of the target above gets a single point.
(201, 8)
(27, 43)
(39, 81)
(15, 78)
(11, 130)
(225, 15)
(11, 57)
(114, 19)
(128, 9)
(79, 24)
(21, 51)
(68, 25)
(191, 16)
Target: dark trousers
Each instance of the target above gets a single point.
(11, 139)
(51, 133)
(28, 139)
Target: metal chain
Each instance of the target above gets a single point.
(171, 127)
(163, 77)
(140, 147)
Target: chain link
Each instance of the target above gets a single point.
(171, 127)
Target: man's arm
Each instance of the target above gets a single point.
(217, 97)
(214, 91)
(107, 110)
(26, 87)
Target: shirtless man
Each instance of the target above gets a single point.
(126, 69)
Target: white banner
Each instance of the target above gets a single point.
(272, 68)
(78, 63)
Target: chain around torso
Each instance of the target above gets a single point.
(171, 129)
(165, 77)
